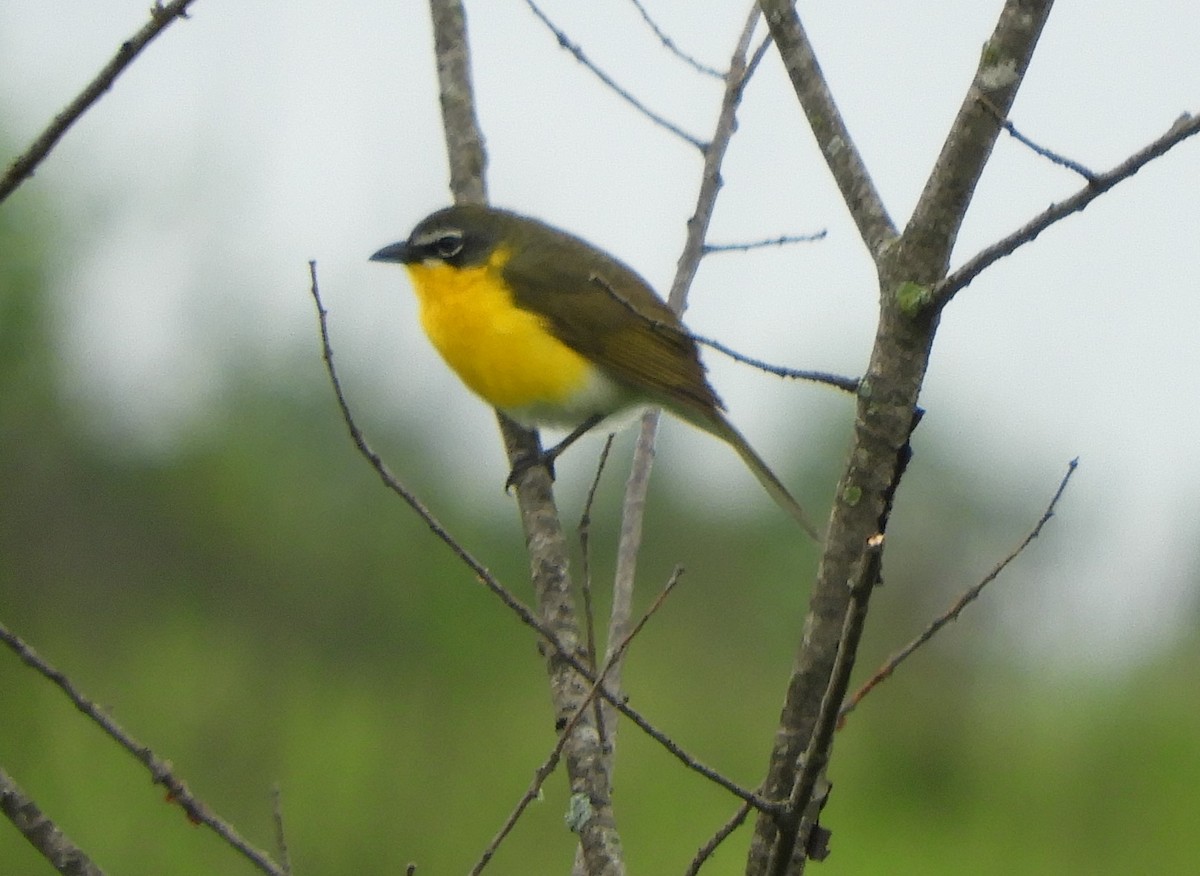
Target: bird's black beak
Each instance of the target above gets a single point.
(394, 252)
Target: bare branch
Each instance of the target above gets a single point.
(587, 765)
(950, 614)
(723, 833)
(942, 206)
(623, 93)
(849, 172)
(42, 833)
(585, 585)
(754, 798)
(909, 267)
(1050, 155)
(671, 46)
(804, 807)
(837, 381)
(161, 17)
(285, 856)
(161, 772)
(481, 572)
(637, 485)
(548, 766)
(464, 144)
(1184, 127)
(846, 384)
(782, 240)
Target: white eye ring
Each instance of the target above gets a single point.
(447, 244)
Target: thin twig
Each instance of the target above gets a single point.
(160, 770)
(482, 573)
(782, 240)
(754, 798)
(584, 529)
(1050, 155)
(970, 595)
(533, 792)
(285, 857)
(1185, 126)
(42, 833)
(161, 16)
(671, 46)
(723, 833)
(585, 585)
(548, 766)
(624, 94)
(846, 384)
(637, 486)
(837, 381)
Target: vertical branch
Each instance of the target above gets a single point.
(689, 261)
(592, 815)
(464, 138)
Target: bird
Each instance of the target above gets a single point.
(555, 332)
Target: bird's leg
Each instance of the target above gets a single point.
(546, 457)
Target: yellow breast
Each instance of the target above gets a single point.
(502, 353)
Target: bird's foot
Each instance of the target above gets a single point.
(527, 461)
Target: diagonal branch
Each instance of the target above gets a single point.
(1184, 127)
(42, 833)
(551, 762)
(481, 572)
(968, 596)
(1049, 154)
(160, 770)
(722, 833)
(845, 163)
(670, 45)
(161, 16)
(942, 206)
(845, 384)
(621, 92)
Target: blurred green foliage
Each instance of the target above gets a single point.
(258, 609)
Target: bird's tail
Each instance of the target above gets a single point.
(715, 423)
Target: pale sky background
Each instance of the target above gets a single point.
(258, 135)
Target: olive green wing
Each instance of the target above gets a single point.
(602, 309)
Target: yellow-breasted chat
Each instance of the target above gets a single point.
(555, 332)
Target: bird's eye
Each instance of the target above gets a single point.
(448, 244)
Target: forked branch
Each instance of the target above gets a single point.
(968, 596)
(1187, 125)
(887, 405)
